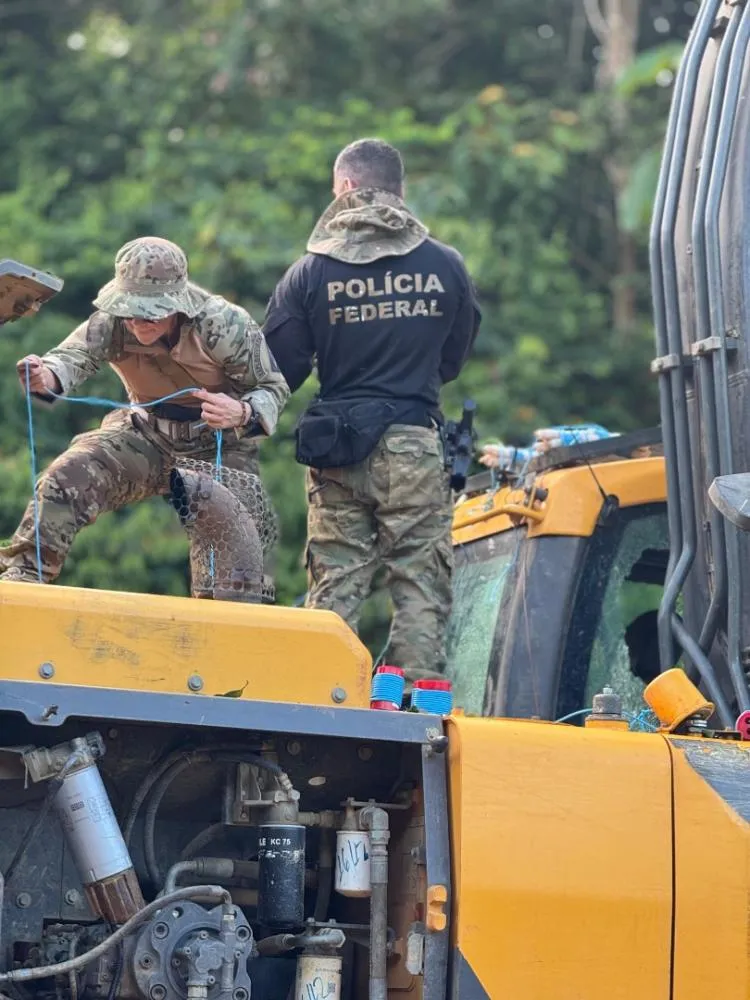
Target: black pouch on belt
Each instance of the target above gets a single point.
(331, 434)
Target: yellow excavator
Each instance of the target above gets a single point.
(198, 801)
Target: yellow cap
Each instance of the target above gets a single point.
(673, 698)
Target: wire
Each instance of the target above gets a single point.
(573, 715)
(55, 784)
(34, 827)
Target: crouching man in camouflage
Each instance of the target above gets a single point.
(160, 333)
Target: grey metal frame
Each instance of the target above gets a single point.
(708, 352)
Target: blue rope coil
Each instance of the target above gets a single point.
(433, 702)
(388, 687)
(109, 404)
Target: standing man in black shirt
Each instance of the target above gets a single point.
(388, 315)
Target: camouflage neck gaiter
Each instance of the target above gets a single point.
(364, 225)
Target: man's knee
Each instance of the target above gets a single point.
(338, 577)
(77, 486)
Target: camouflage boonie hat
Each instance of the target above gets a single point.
(365, 224)
(151, 282)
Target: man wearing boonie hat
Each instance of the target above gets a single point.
(161, 334)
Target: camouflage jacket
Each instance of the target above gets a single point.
(221, 349)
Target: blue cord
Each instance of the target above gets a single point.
(217, 477)
(32, 461)
(219, 441)
(112, 404)
(643, 721)
(109, 404)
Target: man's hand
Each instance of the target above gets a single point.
(490, 456)
(41, 379)
(221, 411)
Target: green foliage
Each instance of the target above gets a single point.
(648, 66)
(216, 125)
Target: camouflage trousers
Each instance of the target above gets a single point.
(123, 461)
(393, 509)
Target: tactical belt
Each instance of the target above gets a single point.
(178, 430)
(178, 423)
(173, 411)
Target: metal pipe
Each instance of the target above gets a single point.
(666, 643)
(706, 368)
(719, 164)
(325, 875)
(216, 868)
(280, 944)
(223, 869)
(681, 457)
(705, 669)
(717, 607)
(375, 820)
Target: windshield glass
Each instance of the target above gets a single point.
(612, 639)
(625, 651)
(482, 575)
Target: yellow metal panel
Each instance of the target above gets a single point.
(562, 860)
(712, 863)
(574, 500)
(146, 642)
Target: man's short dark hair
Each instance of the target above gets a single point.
(372, 163)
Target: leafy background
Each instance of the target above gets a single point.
(531, 133)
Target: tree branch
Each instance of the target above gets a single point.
(596, 20)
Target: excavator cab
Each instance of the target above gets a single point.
(558, 577)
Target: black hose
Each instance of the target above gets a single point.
(149, 823)
(158, 769)
(200, 840)
(161, 786)
(55, 784)
(205, 892)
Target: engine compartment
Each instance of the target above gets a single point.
(153, 860)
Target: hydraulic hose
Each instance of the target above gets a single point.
(158, 769)
(215, 868)
(168, 776)
(201, 892)
(200, 840)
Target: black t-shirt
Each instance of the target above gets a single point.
(397, 328)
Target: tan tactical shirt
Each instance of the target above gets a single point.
(221, 349)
